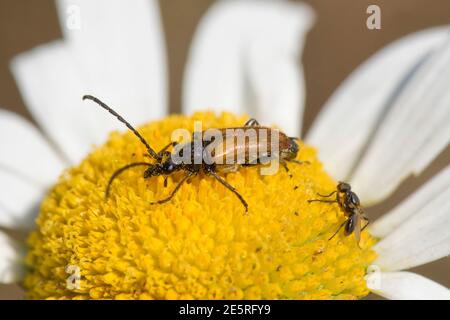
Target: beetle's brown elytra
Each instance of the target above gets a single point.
(349, 202)
(223, 157)
(232, 152)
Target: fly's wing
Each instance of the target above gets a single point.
(358, 228)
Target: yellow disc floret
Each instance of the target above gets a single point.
(200, 245)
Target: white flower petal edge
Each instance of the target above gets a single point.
(387, 224)
(347, 121)
(11, 260)
(121, 50)
(413, 133)
(245, 58)
(28, 166)
(51, 87)
(423, 237)
(405, 286)
(25, 150)
(122, 63)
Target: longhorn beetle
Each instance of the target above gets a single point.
(166, 163)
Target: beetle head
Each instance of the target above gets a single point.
(292, 149)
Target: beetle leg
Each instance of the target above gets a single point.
(251, 123)
(228, 168)
(260, 160)
(284, 164)
(163, 150)
(299, 162)
(231, 188)
(190, 174)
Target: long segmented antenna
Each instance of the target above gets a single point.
(150, 151)
(120, 171)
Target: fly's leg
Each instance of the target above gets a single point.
(366, 225)
(326, 196)
(320, 200)
(340, 227)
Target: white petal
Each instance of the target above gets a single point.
(25, 150)
(244, 58)
(11, 260)
(19, 200)
(422, 238)
(121, 48)
(117, 55)
(28, 166)
(412, 205)
(406, 286)
(352, 115)
(52, 87)
(413, 133)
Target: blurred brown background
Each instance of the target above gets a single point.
(337, 44)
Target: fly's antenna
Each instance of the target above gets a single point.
(150, 151)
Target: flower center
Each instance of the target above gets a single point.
(200, 245)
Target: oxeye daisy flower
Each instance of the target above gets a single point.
(387, 121)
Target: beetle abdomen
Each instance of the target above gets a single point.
(246, 146)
